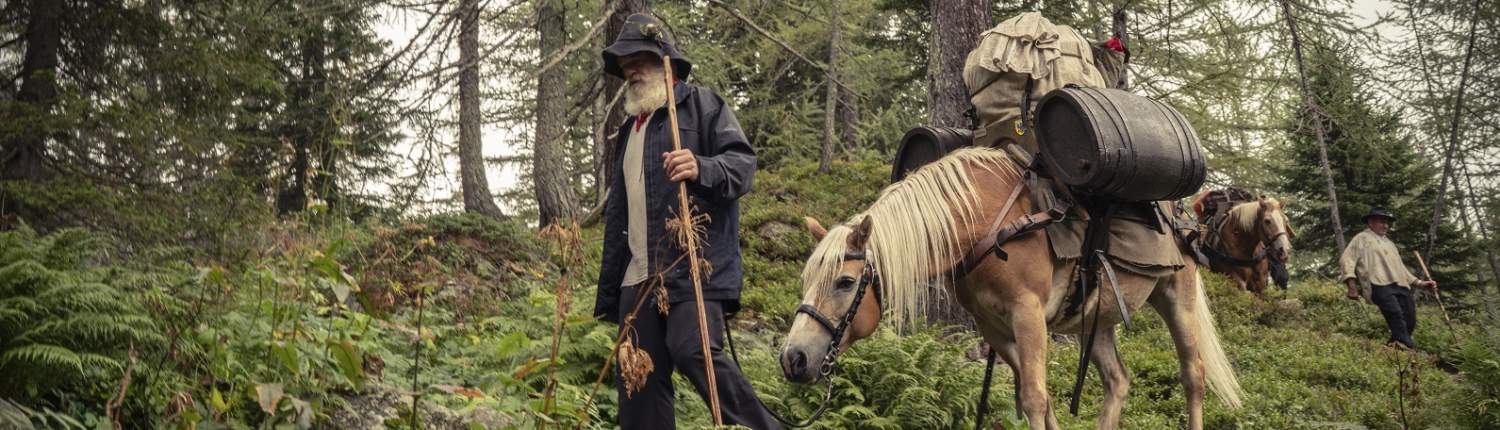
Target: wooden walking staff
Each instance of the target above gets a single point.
(1435, 293)
(685, 217)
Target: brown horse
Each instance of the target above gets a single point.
(922, 227)
(1252, 237)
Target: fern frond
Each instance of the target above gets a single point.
(24, 275)
(43, 355)
(95, 361)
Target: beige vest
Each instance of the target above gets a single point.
(634, 170)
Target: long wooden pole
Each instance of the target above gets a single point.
(1439, 296)
(685, 216)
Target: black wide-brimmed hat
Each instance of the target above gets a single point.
(1378, 212)
(644, 33)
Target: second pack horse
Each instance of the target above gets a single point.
(1245, 237)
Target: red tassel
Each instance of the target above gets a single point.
(641, 119)
(1114, 43)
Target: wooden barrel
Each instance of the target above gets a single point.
(1116, 144)
(924, 145)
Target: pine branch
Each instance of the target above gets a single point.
(576, 44)
(788, 48)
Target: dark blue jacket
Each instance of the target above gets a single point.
(726, 166)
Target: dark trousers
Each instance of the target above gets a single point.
(1400, 311)
(674, 343)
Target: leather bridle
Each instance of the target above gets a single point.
(867, 278)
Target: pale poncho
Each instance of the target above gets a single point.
(1373, 260)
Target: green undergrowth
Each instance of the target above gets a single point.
(446, 321)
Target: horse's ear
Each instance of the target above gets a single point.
(861, 234)
(815, 227)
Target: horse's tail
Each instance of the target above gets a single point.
(1217, 370)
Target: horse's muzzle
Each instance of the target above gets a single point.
(795, 365)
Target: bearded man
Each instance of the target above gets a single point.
(717, 164)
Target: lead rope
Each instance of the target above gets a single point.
(829, 358)
(827, 397)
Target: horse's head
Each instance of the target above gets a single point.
(1275, 230)
(841, 303)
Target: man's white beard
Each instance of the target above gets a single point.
(646, 95)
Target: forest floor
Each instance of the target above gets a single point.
(341, 326)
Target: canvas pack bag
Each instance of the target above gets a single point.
(1026, 51)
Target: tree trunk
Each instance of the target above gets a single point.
(320, 124)
(556, 200)
(849, 115)
(955, 30)
(614, 113)
(293, 198)
(956, 26)
(1489, 253)
(831, 103)
(1121, 28)
(24, 156)
(1453, 133)
(471, 167)
(1317, 121)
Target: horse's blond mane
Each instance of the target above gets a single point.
(915, 228)
(1244, 214)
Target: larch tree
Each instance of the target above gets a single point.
(954, 32)
(556, 199)
(471, 165)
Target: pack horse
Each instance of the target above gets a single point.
(1048, 217)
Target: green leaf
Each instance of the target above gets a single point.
(350, 362)
(340, 291)
(216, 401)
(287, 353)
(513, 342)
(214, 276)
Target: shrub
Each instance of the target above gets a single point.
(64, 329)
(1477, 400)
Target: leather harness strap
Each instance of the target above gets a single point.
(990, 241)
(1214, 255)
(996, 236)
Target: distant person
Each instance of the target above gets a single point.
(1372, 268)
(717, 164)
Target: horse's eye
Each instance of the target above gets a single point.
(845, 283)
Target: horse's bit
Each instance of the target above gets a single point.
(866, 279)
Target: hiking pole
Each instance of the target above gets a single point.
(1439, 296)
(689, 233)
